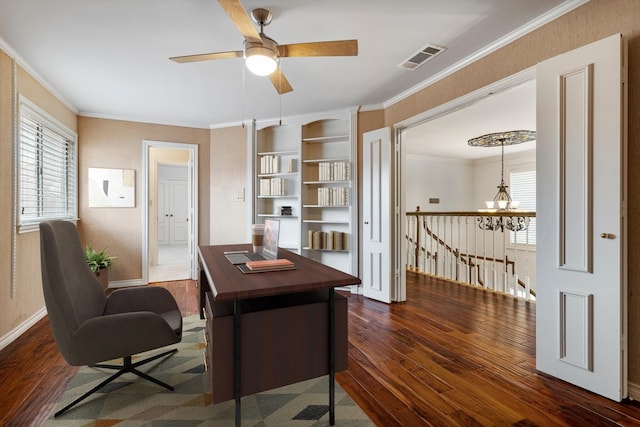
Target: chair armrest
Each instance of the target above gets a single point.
(118, 335)
(151, 298)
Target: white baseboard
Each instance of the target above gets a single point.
(633, 390)
(15, 334)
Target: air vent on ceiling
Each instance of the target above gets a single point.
(423, 55)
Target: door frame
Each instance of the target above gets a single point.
(400, 179)
(193, 196)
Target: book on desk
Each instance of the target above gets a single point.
(262, 266)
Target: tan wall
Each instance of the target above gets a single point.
(229, 219)
(28, 298)
(118, 144)
(593, 21)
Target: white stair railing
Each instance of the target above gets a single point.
(477, 248)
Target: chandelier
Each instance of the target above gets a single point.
(502, 199)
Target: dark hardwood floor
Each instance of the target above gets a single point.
(449, 355)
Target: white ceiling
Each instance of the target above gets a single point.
(109, 58)
(447, 136)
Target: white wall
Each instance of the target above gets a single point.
(486, 175)
(432, 177)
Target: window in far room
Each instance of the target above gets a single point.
(46, 169)
(523, 189)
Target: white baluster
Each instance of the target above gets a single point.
(505, 275)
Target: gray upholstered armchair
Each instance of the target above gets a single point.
(89, 327)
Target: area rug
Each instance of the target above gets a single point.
(132, 401)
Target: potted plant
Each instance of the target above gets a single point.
(99, 262)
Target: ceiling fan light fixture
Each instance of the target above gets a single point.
(261, 59)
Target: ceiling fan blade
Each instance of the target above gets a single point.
(241, 18)
(333, 48)
(280, 82)
(207, 56)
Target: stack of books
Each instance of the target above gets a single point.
(269, 164)
(331, 240)
(334, 171)
(333, 196)
(272, 187)
(269, 265)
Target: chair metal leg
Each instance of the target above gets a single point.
(126, 367)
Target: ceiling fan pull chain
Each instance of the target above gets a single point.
(242, 101)
(279, 94)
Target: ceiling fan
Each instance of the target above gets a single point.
(261, 53)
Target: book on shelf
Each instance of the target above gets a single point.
(316, 240)
(331, 240)
(334, 171)
(269, 164)
(333, 196)
(272, 186)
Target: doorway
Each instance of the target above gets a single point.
(170, 222)
(581, 183)
(423, 139)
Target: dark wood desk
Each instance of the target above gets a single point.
(229, 287)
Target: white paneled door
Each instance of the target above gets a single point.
(376, 215)
(581, 185)
(173, 216)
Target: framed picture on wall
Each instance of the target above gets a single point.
(112, 188)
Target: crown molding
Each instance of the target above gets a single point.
(551, 15)
(19, 60)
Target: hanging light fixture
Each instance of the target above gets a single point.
(503, 200)
(261, 58)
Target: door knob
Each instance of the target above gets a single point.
(607, 236)
(366, 222)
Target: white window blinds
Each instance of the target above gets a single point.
(523, 189)
(46, 170)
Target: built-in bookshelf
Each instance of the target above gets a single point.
(305, 178)
(277, 186)
(327, 192)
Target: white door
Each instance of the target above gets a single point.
(163, 214)
(376, 215)
(179, 213)
(173, 212)
(581, 184)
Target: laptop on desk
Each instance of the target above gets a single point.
(269, 249)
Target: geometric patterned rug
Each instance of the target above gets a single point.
(132, 401)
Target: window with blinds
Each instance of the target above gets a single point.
(46, 169)
(523, 189)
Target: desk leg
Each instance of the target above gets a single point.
(237, 360)
(332, 358)
(202, 284)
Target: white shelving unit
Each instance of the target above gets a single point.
(319, 186)
(327, 192)
(277, 184)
